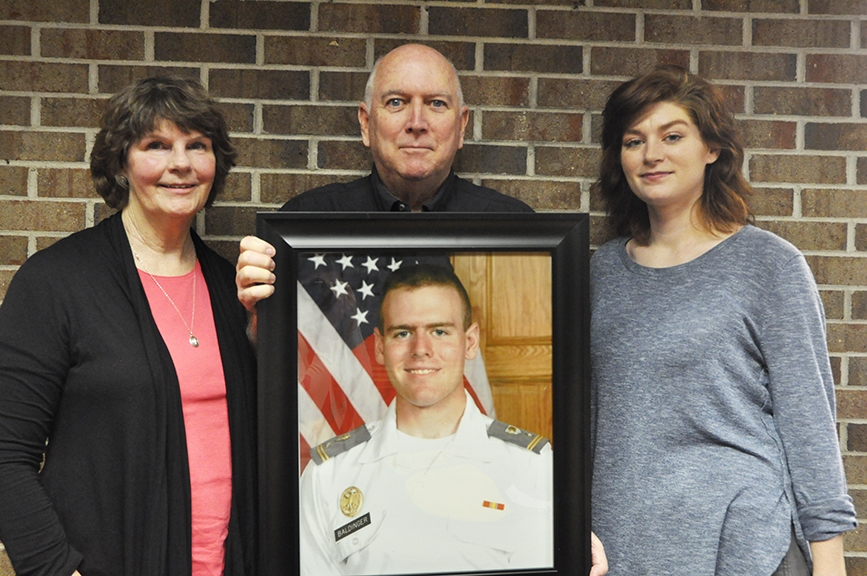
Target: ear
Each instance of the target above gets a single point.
(472, 341)
(465, 117)
(364, 123)
(712, 155)
(378, 346)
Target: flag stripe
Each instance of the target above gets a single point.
(324, 391)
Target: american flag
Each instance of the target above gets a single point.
(340, 384)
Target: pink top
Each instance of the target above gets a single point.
(206, 418)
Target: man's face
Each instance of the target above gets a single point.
(424, 344)
(414, 124)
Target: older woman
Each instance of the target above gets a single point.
(714, 433)
(123, 347)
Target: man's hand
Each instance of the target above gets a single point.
(253, 273)
(597, 557)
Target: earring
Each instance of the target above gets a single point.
(121, 181)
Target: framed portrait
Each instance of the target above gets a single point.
(328, 391)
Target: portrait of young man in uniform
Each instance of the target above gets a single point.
(435, 485)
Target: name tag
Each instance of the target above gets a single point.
(351, 527)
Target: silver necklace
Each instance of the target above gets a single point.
(194, 342)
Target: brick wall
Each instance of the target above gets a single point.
(535, 74)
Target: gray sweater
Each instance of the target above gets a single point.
(713, 403)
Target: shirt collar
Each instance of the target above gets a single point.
(394, 204)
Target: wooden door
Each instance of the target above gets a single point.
(511, 298)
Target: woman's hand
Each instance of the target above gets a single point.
(597, 557)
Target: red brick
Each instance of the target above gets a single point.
(802, 101)
(856, 566)
(605, 61)
(13, 180)
(570, 162)
(279, 188)
(861, 170)
(769, 134)
(496, 90)
(173, 13)
(851, 404)
(78, 112)
(579, 94)
(15, 40)
(342, 86)
(260, 84)
(806, 169)
(833, 301)
(43, 77)
(92, 44)
(343, 155)
(45, 216)
(753, 6)
(827, 136)
(487, 159)
(260, 15)
(811, 33)
(204, 47)
(65, 183)
(856, 468)
(593, 26)
(72, 11)
(839, 270)
(369, 18)
(42, 146)
(730, 65)
(855, 541)
(857, 441)
(810, 235)
(857, 371)
(239, 117)
(230, 220)
(315, 51)
(532, 126)
(847, 337)
(859, 305)
(315, 120)
(550, 59)
(238, 188)
(546, 3)
(649, 4)
(838, 7)
(837, 68)
(15, 110)
(861, 237)
(486, 22)
(113, 78)
(13, 250)
(833, 203)
(540, 194)
(670, 29)
(772, 201)
(271, 153)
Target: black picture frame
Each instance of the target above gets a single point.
(564, 235)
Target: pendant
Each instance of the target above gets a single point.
(194, 342)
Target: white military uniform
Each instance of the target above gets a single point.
(395, 504)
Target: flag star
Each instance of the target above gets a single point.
(371, 264)
(339, 288)
(395, 264)
(318, 260)
(345, 261)
(366, 290)
(360, 317)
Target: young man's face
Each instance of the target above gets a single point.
(424, 344)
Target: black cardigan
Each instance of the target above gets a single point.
(82, 364)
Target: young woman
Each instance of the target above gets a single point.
(714, 426)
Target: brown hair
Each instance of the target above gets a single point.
(421, 275)
(137, 110)
(723, 202)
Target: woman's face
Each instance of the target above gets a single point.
(170, 172)
(663, 157)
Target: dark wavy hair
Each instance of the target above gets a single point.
(723, 204)
(421, 275)
(137, 110)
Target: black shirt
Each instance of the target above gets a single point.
(368, 194)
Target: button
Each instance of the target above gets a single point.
(401, 207)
